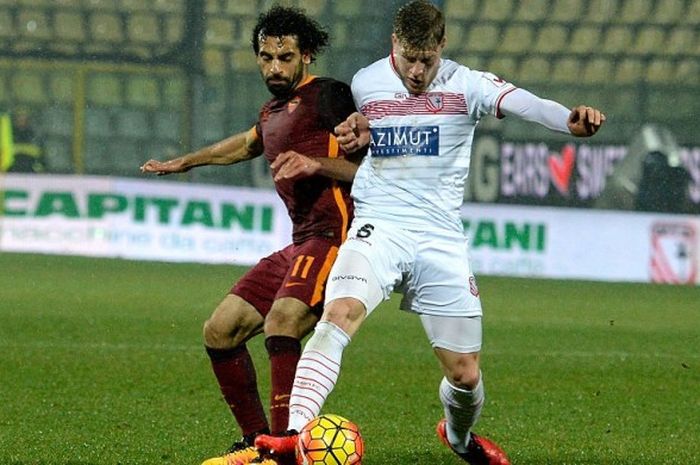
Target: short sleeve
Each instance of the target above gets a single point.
(261, 117)
(335, 104)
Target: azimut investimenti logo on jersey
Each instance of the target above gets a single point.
(405, 140)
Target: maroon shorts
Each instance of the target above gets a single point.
(298, 270)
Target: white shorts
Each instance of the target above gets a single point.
(431, 270)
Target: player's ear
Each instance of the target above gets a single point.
(306, 58)
(394, 41)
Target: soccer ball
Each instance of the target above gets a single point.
(330, 440)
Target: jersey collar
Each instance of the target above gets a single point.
(308, 79)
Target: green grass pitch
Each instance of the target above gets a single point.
(102, 363)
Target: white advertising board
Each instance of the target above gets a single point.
(174, 221)
(599, 245)
(140, 219)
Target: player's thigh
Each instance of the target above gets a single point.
(233, 322)
(241, 314)
(261, 283)
(353, 291)
(305, 278)
(462, 335)
(298, 302)
(441, 281)
(457, 344)
(370, 263)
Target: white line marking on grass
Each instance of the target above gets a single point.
(103, 346)
(591, 353)
(179, 347)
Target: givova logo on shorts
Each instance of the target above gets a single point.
(405, 140)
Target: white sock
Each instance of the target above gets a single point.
(317, 373)
(462, 410)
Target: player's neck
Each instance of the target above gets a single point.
(307, 79)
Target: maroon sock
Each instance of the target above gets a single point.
(284, 352)
(235, 372)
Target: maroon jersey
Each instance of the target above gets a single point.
(304, 122)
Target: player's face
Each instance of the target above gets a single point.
(282, 65)
(417, 68)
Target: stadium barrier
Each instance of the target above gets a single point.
(139, 219)
(175, 221)
(564, 243)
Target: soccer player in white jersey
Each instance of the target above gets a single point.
(419, 112)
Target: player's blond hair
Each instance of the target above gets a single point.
(419, 25)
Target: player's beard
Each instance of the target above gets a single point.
(284, 87)
(280, 89)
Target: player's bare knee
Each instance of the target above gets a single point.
(283, 323)
(232, 323)
(226, 329)
(465, 373)
(215, 336)
(289, 317)
(346, 313)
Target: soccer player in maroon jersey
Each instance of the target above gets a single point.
(282, 295)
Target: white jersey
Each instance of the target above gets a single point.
(416, 168)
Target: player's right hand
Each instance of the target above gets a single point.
(162, 168)
(585, 121)
(353, 133)
(291, 164)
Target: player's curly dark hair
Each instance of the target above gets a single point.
(419, 25)
(281, 21)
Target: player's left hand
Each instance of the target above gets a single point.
(292, 164)
(585, 121)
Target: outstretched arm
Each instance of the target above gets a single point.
(239, 147)
(581, 121)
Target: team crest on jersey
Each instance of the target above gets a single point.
(293, 104)
(434, 101)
